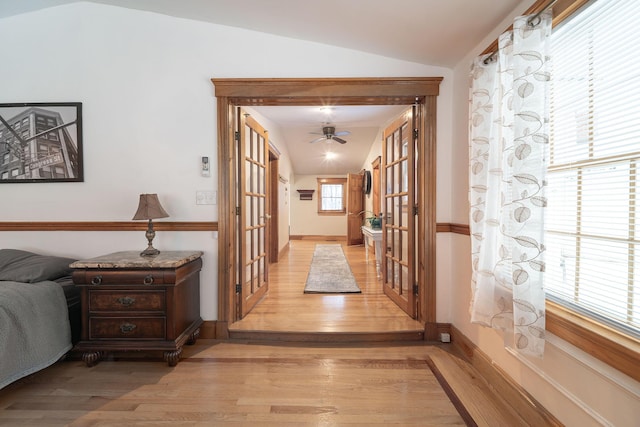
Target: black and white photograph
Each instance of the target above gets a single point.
(41, 142)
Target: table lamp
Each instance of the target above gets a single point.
(150, 208)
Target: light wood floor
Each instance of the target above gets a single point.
(286, 308)
(257, 384)
(243, 382)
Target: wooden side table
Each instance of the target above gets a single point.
(135, 303)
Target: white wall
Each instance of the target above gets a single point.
(576, 388)
(149, 115)
(305, 220)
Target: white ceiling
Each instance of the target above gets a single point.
(431, 32)
(301, 125)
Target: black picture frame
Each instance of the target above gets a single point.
(41, 142)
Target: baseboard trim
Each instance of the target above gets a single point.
(284, 250)
(318, 237)
(433, 331)
(208, 330)
(514, 394)
(450, 227)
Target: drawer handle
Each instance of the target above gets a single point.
(148, 279)
(127, 328)
(126, 301)
(97, 280)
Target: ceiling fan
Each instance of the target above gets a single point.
(329, 133)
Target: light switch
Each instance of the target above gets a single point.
(205, 197)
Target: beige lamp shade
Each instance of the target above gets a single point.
(150, 208)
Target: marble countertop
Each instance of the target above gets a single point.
(133, 259)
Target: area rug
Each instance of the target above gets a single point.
(330, 272)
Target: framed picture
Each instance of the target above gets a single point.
(41, 142)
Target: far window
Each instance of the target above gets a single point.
(331, 195)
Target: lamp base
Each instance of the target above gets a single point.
(150, 251)
(150, 234)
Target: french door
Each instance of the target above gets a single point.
(399, 157)
(252, 145)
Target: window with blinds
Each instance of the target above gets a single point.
(593, 222)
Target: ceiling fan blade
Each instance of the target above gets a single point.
(322, 138)
(316, 133)
(340, 140)
(342, 133)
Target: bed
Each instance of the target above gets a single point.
(39, 312)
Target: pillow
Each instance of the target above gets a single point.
(27, 267)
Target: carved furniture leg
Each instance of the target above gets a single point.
(90, 358)
(172, 357)
(193, 337)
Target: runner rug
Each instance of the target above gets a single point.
(330, 272)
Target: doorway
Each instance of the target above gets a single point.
(420, 92)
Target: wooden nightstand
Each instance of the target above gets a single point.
(130, 302)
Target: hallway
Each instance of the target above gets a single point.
(286, 309)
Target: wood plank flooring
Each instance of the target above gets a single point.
(286, 308)
(257, 383)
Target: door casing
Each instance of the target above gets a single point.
(419, 91)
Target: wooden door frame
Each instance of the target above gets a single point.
(273, 225)
(421, 91)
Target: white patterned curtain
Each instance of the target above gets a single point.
(509, 116)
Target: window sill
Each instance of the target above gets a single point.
(618, 350)
(336, 213)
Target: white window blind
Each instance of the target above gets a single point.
(331, 195)
(593, 223)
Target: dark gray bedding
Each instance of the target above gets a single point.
(34, 328)
(37, 301)
(23, 266)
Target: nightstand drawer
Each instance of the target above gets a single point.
(124, 277)
(127, 327)
(127, 301)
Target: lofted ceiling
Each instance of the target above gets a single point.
(301, 125)
(430, 32)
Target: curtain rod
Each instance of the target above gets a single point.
(530, 22)
(535, 17)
